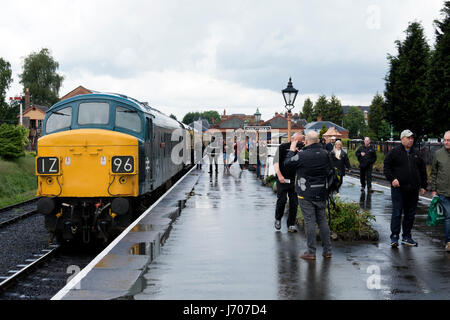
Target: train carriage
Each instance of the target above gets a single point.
(100, 154)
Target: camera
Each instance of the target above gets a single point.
(300, 145)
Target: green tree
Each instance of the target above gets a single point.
(5, 81)
(376, 114)
(39, 75)
(308, 110)
(334, 112)
(191, 117)
(439, 76)
(13, 139)
(321, 107)
(406, 83)
(354, 123)
(209, 115)
(384, 131)
(322, 131)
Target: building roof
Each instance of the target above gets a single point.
(280, 122)
(78, 90)
(204, 123)
(317, 126)
(332, 132)
(34, 107)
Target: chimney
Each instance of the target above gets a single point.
(319, 118)
(27, 98)
(224, 112)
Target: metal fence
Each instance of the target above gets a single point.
(426, 149)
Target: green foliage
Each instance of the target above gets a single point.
(439, 76)
(5, 81)
(9, 112)
(406, 83)
(308, 110)
(334, 112)
(13, 139)
(320, 107)
(17, 180)
(5, 78)
(376, 115)
(322, 131)
(354, 122)
(270, 180)
(346, 217)
(208, 115)
(39, 75)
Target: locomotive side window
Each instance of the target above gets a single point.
(59, 119)
(128, 119)
(93, 113)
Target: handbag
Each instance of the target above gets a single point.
(435, 213)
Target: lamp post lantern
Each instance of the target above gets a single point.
(289, 95)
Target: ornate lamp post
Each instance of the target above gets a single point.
(289, 95)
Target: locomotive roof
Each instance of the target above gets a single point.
(141, 106)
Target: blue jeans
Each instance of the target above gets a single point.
(403, 202)
(445, 201)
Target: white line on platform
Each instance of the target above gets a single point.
(389, 188)
(69, 286)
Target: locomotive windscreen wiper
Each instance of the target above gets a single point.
(61, 114)
(128, 111)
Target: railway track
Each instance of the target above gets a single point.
(29, 265)
(16, 212)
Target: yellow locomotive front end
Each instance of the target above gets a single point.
(87, 180)
(87, 163)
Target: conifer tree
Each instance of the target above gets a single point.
(439, 76)
(406, 83)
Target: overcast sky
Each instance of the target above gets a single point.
(183, 56)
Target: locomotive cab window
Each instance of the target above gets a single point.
(93, 113)
(128, 119)
(59, 120)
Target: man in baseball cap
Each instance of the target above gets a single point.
(405, 169)
(406, 133)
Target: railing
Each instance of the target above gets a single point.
(427, 149)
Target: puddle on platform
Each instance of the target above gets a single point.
(143, 248)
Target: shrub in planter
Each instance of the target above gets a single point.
(348, 222)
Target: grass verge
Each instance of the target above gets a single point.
(17, 180)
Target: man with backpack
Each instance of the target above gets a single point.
(312, 165)
(440, 183)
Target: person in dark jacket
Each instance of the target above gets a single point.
(312, 165)
(340, 160)
(366, 156)
(330, 145)
(285, 180)
(406, 171)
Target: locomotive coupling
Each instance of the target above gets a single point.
(46, 206)
(120, 206)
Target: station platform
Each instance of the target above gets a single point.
(212, 237)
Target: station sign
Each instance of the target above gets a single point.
(257, 128)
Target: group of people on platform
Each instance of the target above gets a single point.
(302, 165)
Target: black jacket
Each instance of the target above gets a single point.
(279, 158)
(409, 169)
(312, 165)
(369, 158)
(342, 163)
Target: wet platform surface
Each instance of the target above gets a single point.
(224, 246)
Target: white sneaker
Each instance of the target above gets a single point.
(292, 229)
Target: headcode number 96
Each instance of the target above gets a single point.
(122, 164)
